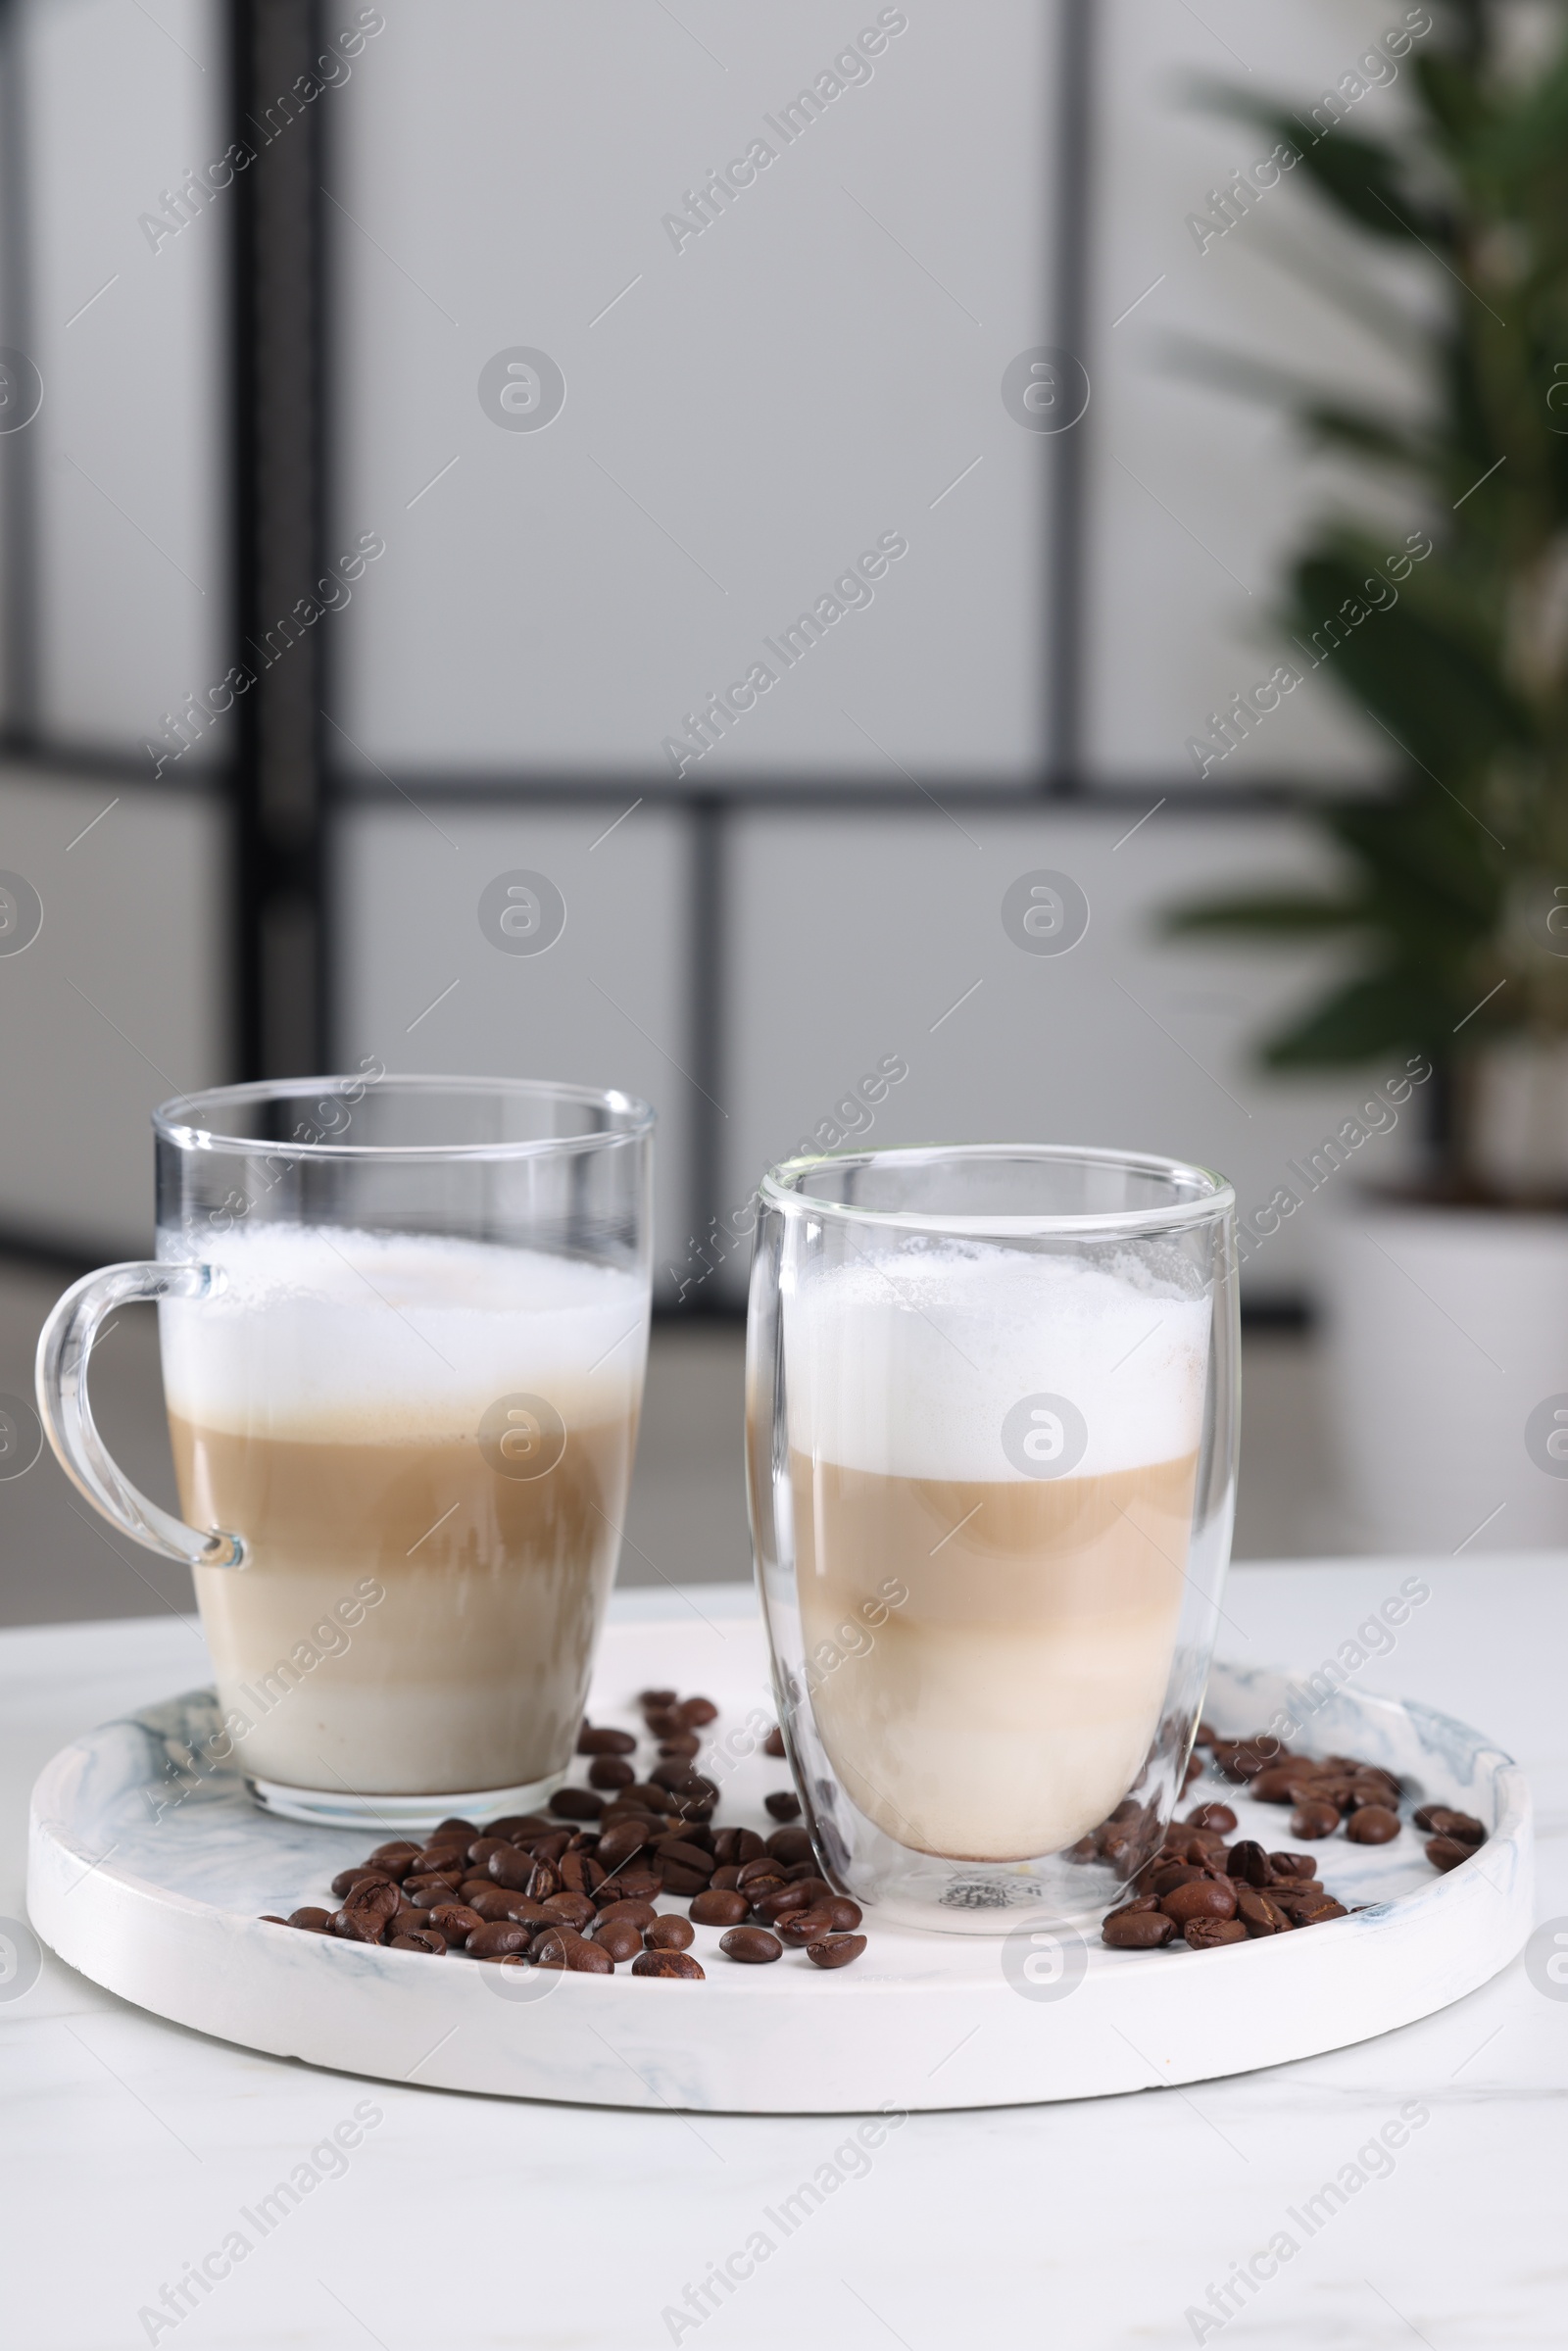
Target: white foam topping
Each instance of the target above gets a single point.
(394, 1337)
(908, 1364)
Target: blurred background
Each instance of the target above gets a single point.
(416, 417)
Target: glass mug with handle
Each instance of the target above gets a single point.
(992, 1429)
(404, 1326)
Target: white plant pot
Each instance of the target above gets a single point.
(1446, 1366)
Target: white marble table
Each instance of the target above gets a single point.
(132, 2150)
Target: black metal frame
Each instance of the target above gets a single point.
(284, 794)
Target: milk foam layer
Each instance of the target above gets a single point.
(908, 1366)
(386, 1337)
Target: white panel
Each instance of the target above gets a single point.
(746, 409)
(127, 328)
(117, 1004)
(872, 938)
(1198, 494)
(421, 985)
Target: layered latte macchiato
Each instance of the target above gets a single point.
(1007, 1704)
(448, 1422)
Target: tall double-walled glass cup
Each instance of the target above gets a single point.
(403, 1324)
(991, 1430)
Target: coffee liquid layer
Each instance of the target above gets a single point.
(1006, 1707)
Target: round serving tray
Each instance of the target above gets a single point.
(148, 1877)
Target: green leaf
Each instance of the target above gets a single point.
(1383, 1012)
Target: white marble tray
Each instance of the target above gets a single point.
(149, 1878)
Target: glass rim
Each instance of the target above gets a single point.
(780, 1189)
(182, 1120)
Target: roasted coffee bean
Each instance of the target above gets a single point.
(579, 1873)
(1134, 1929)
(440, 1861)
(573, 1910)
(668, 1933)
(719, 1907)
(798, 1927)
(585, 1958)
(1236, 1759)
(482, 1847)
(1248, 1860)
(610, 1771)
(519, 1826)
(1260, 1914)
(663, 1721)
(1294, 1865)
(789, 1845)
(1447, 1852)
(1310, 1912)
(1194, 1771)
(1278, 1785)
(1176, 1873)
(1462, 1827)
(682, 1881)
(1299, 1902)
(474, 1886)
(355, 1925)
(1212, 1816)
(510, 1866)
(784, 1804)
(428, 1891)
(394, 1846)
(657, 1698)
(773, 1744)
(678, 1779)
(549, 1945)
(836, 1951)
(737, 1845)
(626, 1838)
(605, 1742)
(685, 1855)
(528, 1913)
(784, 1902)
(638, 1881)
(578, 1803)
(1373, 1825)
(679, 1746)
(845, 1914)
(361, 1874)
(375, 1897)
(492, 1939)
(463, 1831)
(455, 1921)
(418, 1939)
(698, 1711)
(1206, 1935)
(764, 1867)
(1205, 1736)
(726, 1880)
(1314, 1818)
(652, 1796)
(636, 1914)
(620, 1937)
(668, 1963)
(493, 1902)
(315, 1921)
(753, 1946)
(1204, 1898)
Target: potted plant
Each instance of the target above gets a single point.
(1448, 1301)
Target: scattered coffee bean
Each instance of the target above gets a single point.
(773, 1744)
(765, 1870)
(313, 1921)
(836, 1951)
(1174, 1874)
(1463, 1826)
(620, 1937)
(573, 1910)
(753, 1946)
(782, 1902)
(1249, 1861)
(420, 1938)
(1372, 1825)
(784, 1804)
(1447, 1852)
(362, 1875)
(1260, 1914)
(1294, 1865)
(668, 1933)
(636, 1914)
(1278, 1785)
(1212, 1816)
(668, 1963)
(719, 1907)
(578, 1803)
(456, 1922)
(678, 1746)
(1206, 1935)
(800, 1927)
(738, 1845)
(655, 1698)
(610, 1771)
(1134, 1929)
(789, 1846)
(490, 1938)
(1314, 1818)
(1205, 1898)
(695, 1712)
(605, 1742)
(651, 1796)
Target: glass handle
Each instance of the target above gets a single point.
(65, 1344)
